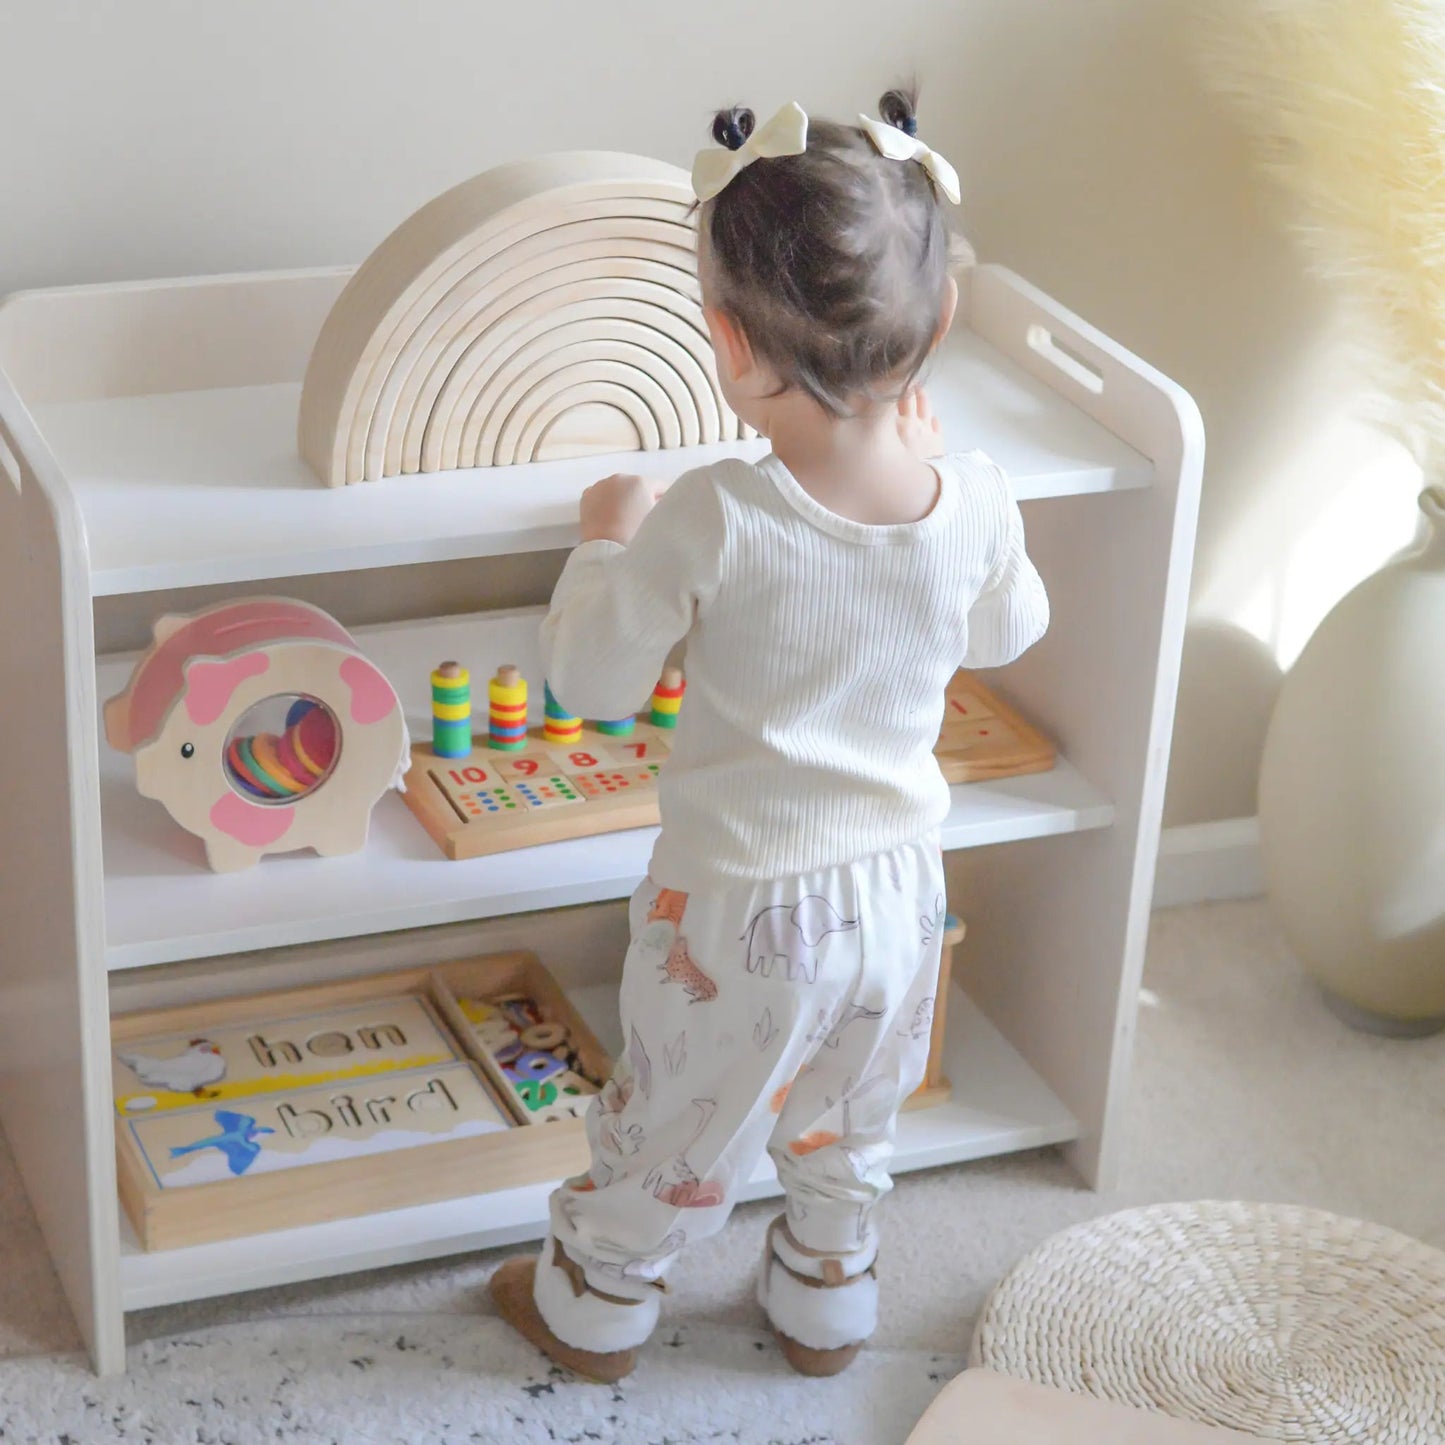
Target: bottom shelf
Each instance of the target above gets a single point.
(999, 1105)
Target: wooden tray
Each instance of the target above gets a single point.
(335, 1080)
(461, 985)
(490, 801)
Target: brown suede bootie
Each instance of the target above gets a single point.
(814, 1295)
(512, 1289)
(816, 1363)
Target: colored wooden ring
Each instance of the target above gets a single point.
(256, 792)
(452, 740)
(451, 711)
(255, 771)
(303, 757)
(263, 749)
(544, 1036)
(236, 766)
(291, 761)
(298, 710)
(319, 734)
(308, 763)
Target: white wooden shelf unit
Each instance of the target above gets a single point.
(147, 442)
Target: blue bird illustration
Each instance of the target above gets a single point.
(237, 1141)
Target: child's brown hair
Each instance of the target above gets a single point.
(834, 262)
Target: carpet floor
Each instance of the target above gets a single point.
(1245, 1087)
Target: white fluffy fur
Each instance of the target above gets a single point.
(821, 1319)
(1347, 100)
(586, 1322)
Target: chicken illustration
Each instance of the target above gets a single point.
(187, 1073)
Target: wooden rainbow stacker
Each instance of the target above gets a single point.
(491, 800)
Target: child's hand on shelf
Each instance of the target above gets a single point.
(918, 428)
(613, 509)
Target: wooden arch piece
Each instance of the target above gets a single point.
(469, 336)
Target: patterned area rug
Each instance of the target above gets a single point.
(448, 1380)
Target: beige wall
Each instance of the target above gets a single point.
(148, 138)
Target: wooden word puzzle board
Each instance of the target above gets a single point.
(242, 1115)
(492, 801)
(233, 1063)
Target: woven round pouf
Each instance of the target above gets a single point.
(1280, 1322)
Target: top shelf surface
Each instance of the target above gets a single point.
(193, 488)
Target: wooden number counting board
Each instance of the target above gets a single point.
(491, 801)
(983, 737)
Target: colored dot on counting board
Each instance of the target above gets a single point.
(546, 792)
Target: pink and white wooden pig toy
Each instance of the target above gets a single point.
(262, 729)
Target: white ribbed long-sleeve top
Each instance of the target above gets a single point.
(818, 650)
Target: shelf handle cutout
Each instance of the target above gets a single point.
(1071, 362)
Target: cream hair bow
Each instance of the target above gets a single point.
(898, 145)
(786, 134)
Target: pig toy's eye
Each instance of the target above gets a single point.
(188, 750)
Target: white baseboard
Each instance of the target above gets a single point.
(1204, 862)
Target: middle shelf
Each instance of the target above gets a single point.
(163, 905)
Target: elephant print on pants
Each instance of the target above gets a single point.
(804, 1054)
(790, 938)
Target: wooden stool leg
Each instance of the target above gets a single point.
(935, 1088)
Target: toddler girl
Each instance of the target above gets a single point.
(778, 991)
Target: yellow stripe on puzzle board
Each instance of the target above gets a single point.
(451, 711)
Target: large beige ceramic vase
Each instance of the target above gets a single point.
(1352, 795)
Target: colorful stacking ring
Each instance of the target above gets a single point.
(451, 711)
(559, 725)
(667, 699)
(507, 710)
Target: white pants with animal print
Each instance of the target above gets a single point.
(792, 1016)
